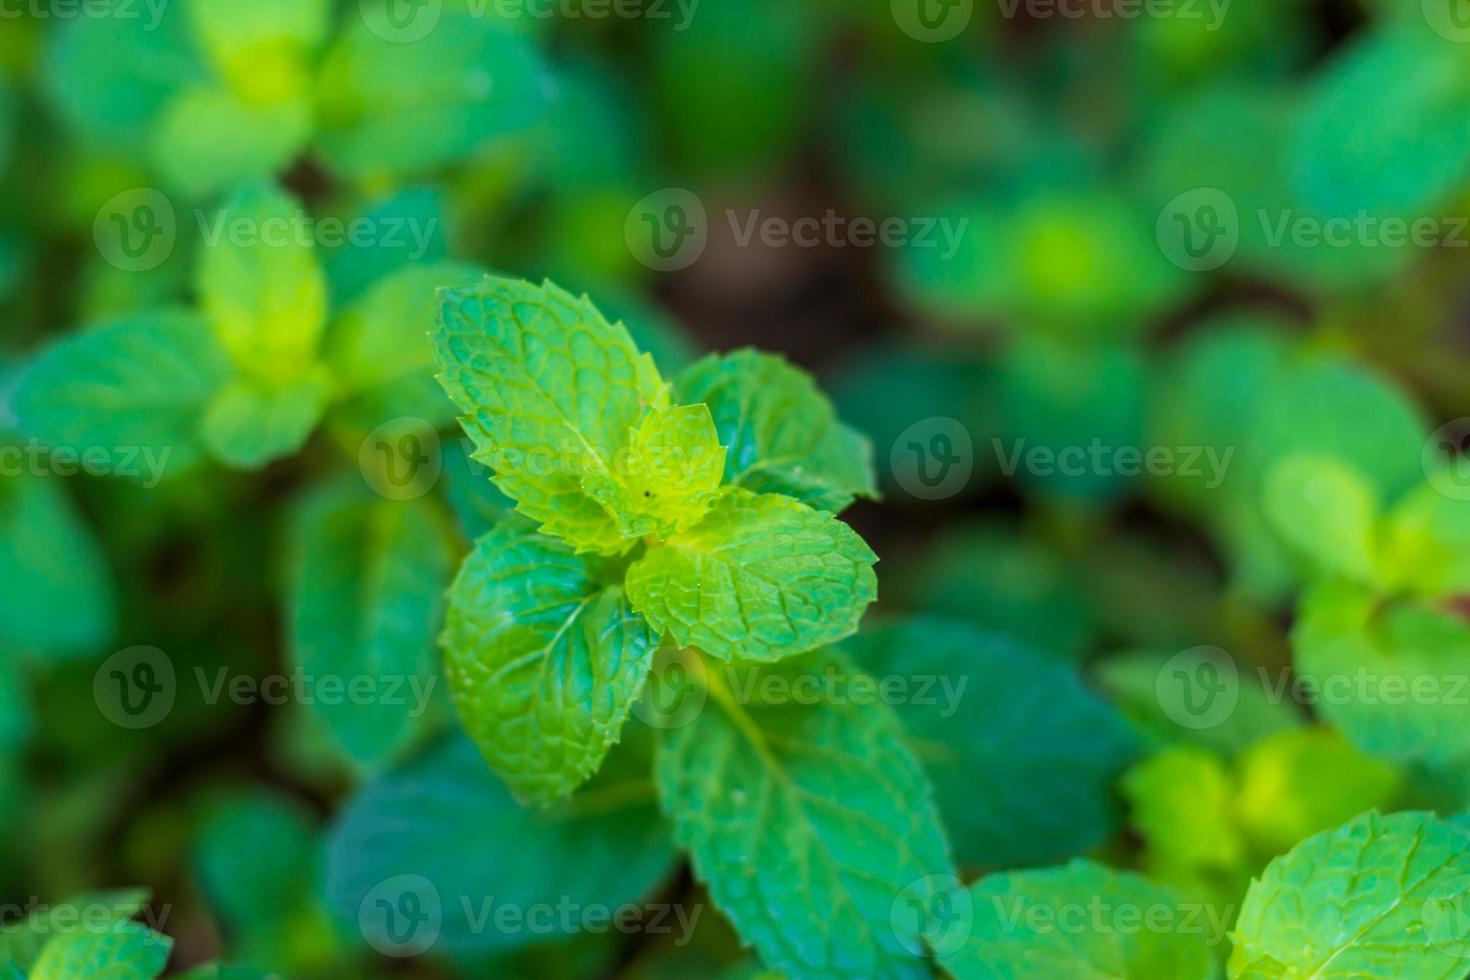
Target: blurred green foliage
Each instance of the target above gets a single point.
(1165, 382)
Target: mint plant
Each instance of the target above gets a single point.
(698, 514)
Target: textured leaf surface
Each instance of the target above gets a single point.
(123, 951)
(21, 943)
(138, 381)
(260, 284)
(366, 580)
(666, 481)
(1379, 897)
(1081, 921)
(550, 392)
(544, 660)
(983, 711)
(782, 433)
(446, 819)
(761, 578)
(808, 821)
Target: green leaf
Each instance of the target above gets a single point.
(1426, 544)
(135, 386)
(1389, 676)
(378, 347)
(59, 595)
(122, 951)
(1385, 129)
(261, 49)
(605, 848)
(981, 709)
(1325, 511)
(1083, 921)
(261, 286)
(366, 580)
(389, 107)
(809, 820)
(761, 578)
(257, 856)
(781, 432)
(1180, 803)
(551, 391)
(1145, 688)
(1379, 897)
(1335, 407)
(109, 77)
(21, 943)
(544, 660)
(207, 139)
(249, 424)
(413, 225)
(666, 480)
(1296, 783)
